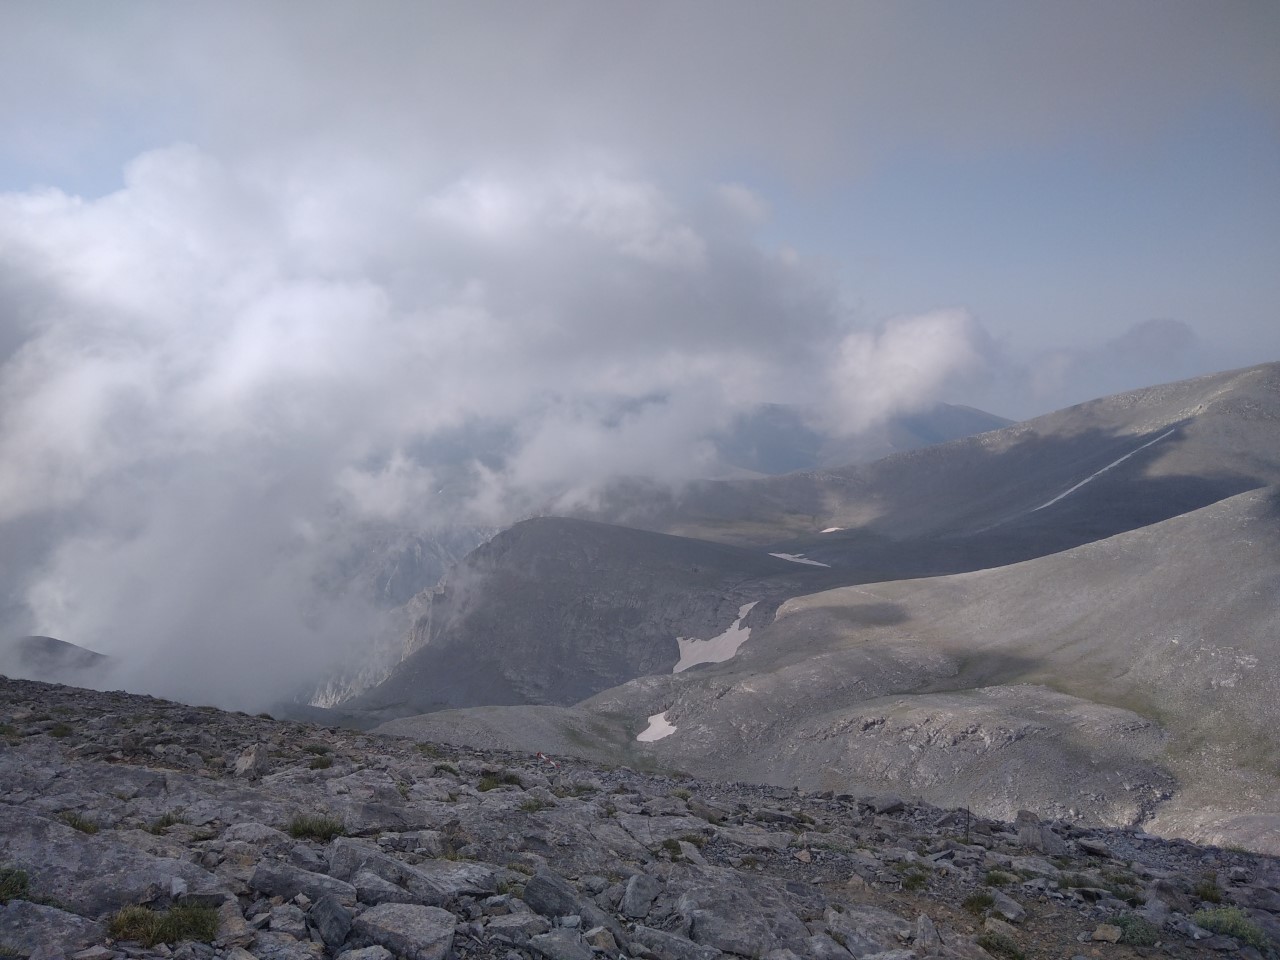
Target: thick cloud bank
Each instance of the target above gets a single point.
(215, 382)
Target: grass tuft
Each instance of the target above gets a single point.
(167, 820)
(1136, 931)
(316, 827)
(78, 822)
(533, 805)
(319, 749)
(14, 884)
(61, 730)
(1208, 890)
(321, 762)
(151, 927)
(998, 878)
(493, 780)
(1232, 922)
(978, 902)
(1001, 945)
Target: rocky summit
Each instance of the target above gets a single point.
(132, 827)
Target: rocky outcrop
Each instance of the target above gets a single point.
(344, 845)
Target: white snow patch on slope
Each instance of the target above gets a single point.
(799, 558)
(718, 649)
(833, 529)
(1068, 493)
(657, 729)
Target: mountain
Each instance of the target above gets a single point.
(778, 438)
(52, 660)
(553, 610)
(934, 641)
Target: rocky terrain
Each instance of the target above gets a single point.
(134, 828)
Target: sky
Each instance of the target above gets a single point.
(275, 276)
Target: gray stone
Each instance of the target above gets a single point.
(25, 926)
(367, 953)
(822, 947)
(638, 897)
(331, 920)
(278, 879)
(287, 918)
(373, 890)
(1007, 907)
(412, 930)
(551, 895)
(272, 945)
(927, 942)
(560, 944)
(518, 926)
(257, 833)
(668, 946)
(253, 761)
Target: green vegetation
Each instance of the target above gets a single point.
(150, 927)
(1001, 945)
(316, 827)
(533, 805)
(446, 768)
(75, 820)
(491, 780)
(8, 730)
(914, 879)
(978, 902)
(14, 884)
(60, 730)
(429, 750)
(1232, 922)
(322, 762)
(319, 749)
(1136, 931)
(681, 794)
(672, 847)
(998, 878)
(1208, 890)
(167, 820)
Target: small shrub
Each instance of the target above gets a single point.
(321, 762)
(316, 827)
(1001, 945)
(60, 730)
(78, 822)
(446, 768)
(429, 750)
(1136, 931)
(697, 839)
(1208, 890)
(492, 780)
(1232, 922)
(914, 879)
(8, 730)
(682, 794)
(978, 902)
(533, 805)
(151, 927)
(14, 884)
(672, 846)
(998, 878)
(167, 820)
(519, 867)
(265, 716)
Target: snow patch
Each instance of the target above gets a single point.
(833, 529)
(718, 649)
(1068, 493)
(799, 558)
(657, 729)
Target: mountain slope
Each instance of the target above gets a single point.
(553, 610)
(1098, 684)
